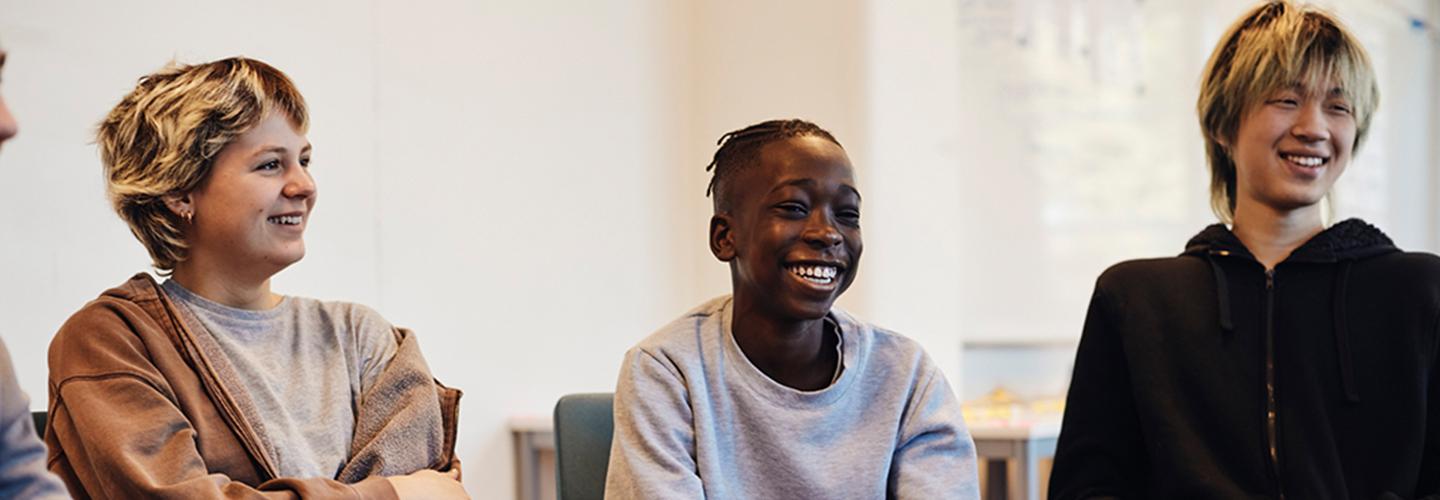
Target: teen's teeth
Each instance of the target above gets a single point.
(816, 274)
(288, 220)
(1308, 161)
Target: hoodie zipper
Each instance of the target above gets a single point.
(1271, 436)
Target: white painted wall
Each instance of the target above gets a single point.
(525, 225)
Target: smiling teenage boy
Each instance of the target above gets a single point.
(771, 392)
(1276, 358)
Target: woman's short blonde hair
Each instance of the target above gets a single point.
(1276, 45)
(162, 139)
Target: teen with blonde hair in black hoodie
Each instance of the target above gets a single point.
(1276, 357)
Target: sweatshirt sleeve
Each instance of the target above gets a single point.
(652, 455)
(1100, 452)
(22, 455)
(1429, 487)
(117, 425)
(935, 457)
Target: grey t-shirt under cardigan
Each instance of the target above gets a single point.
(304, 364)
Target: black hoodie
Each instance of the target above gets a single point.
(1204, 376)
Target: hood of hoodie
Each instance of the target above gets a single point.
(1350, 239)
(1341, 244)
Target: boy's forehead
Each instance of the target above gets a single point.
(804, 150)
(800, 169)
(798, 158)
(1310, 83)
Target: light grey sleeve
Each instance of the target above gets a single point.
(936, 456)
(374, 341)
(22, 454)
(653, 453)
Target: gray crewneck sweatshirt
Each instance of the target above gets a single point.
(304, 365)
(695, 419)
(22, 453)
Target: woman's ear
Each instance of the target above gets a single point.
(722, 240)
(181, 205)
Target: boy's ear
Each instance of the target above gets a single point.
(1223, 141)
(722, 240)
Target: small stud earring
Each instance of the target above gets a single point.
(189, 217)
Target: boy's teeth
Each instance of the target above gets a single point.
(1308, 161)
(289, 220)
(817, 274)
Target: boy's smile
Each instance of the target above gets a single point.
(792, 235)
(1290, 148)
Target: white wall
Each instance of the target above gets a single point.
(525, 227)
(915, 234)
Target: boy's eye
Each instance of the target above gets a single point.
(305, 162)
(792, 209)
(269, 165)
(1288, 102)
(850, 216)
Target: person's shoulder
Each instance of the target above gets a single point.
(349, 314)
(883, 343)
(113, 327)
(686, 333)
(1402, 275)
(119, 306)
(1144, 270)
(1423, 264)
(352, 322)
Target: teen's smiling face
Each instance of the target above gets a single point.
(792, 234)
(252, 209)
(1291, 147)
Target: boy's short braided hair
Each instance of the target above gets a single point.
(740, 149)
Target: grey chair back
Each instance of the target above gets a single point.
(584, 424)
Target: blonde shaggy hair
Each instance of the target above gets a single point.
(162, 139)
(1276, 45)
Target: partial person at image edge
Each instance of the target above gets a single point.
(22, 454)
(771, 392)
(1280, 358)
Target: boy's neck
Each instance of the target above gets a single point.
(1270, 234)
(795, 353)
